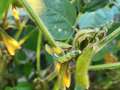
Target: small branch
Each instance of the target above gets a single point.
(17, 21)
(20, 29)
(105, 66)
(51, 76)
(38, 52)
(91, 68)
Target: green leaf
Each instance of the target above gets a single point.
(95, 4)
(27, 69)
(98, 18)
(89, 5)
(20, 56)
(59, 18)
(23, 86)
(4, 6)
(95, 19)
(9, 88)
(31, 43)
(20, 86)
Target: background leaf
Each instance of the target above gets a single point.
(98, 18)
(4, 6)
(59, 18)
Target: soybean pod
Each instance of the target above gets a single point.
(82, 66)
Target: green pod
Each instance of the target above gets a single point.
(82, 66)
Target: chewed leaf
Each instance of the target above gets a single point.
(11, 44)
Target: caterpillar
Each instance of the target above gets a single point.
(67, 57)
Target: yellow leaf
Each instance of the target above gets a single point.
(53, 50)
(57, 50)
(57, 67)
(16, 14)
(48, 49)
(67, 79)
(110, 58)
(11, 44)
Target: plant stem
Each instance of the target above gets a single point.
(91, 68)
(105, 66)
(20, 25)
(5, 22)
(109, 38)
(38, 22)
(38, 52)
(51, 76)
